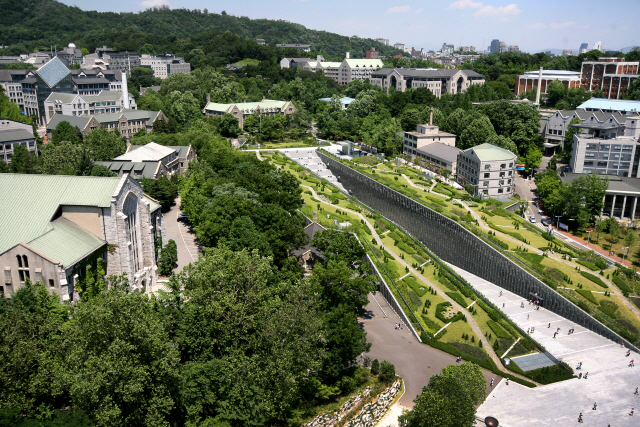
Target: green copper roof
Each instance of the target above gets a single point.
(66, 242)
(488, 153)
(29, 203)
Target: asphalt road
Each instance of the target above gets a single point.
(184, 236)
(414, 361)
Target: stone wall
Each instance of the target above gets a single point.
(370, 409)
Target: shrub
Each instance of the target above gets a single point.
(498, 330)
(588, 295)
(595, 279)
(406, 248)
(609, 308)
(168, 259)
(457, 298)
(550, 374)
(387, 371)
(620, 283)
(375, 367)
(591, 266)
(433, 326)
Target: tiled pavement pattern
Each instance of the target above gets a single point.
(611, 382)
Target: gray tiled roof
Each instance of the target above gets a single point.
(442, 151)
(617, 184)
(90, 80)
(129, 114)
(8, 135)
(137, 170)
(417, 72)
(76, 121)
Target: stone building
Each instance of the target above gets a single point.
(128, 122)
(308, 255)
(438, 80)
(529, 80)
(77, 220)
(152, 161)
(241, 110)
(489, 169)
(611, 75)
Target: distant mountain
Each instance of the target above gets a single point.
(27, 25)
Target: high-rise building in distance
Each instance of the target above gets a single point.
(495, 46)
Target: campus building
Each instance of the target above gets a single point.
(529, 80)
(12, 134)
(78, 220)
(30, 88)
(622, 106)
(165, 65)
(611, 75)
(241, 110)
(71, 104)
(341, 72)
(152, 161)
(438, 80)
(436, 149)
(128, 122)
(606, 148)
(490, 170)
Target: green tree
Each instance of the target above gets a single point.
(168, 259)
(163, 189)
(532, 159)
(229, 126)
(104, 145)
(124, 374)
(450, 399)
(630, 238)
(387, 371)
(445, 172)
(183, 107)
(61, 158)
(23, 160)
(65, 132)
(476, 133)
(556, 92)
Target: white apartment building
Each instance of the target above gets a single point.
(342, 72)
(489, 169)
(165, 65)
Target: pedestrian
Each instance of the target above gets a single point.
(549, 325)
(554, 334)
(538, 307)
(595, 405)
(527, 330)
(628, 352)
(502, 305)
(631, 364)
(527, 317)
(529, 302)
(507, 381)
(558, 330)
(580, 375)
(500, 293)
(491, 385)
(580, 417)
(585, 375)
(631, 412)
(636, 391)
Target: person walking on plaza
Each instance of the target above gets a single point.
(631, 364)
(595, 405)
(491, 385)
(554, 334)
(580, 417)
(636, 391)
(631, 412)
(585, 375)
(527, 317)
(549, 325)
(580, 375)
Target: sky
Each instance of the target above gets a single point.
(533, 25)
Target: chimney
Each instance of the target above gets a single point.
(208, 98)
(125, 92)
(539, 88)
(315, 217)
(431, 117)
(346, 55)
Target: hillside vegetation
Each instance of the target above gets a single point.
(31, 24)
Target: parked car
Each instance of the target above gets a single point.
(182, 216)
(532, 219)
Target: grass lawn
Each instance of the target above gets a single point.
(575, 276)
(455, 331)
(248, 61)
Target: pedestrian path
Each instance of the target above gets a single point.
(309, 158)
(610, 382)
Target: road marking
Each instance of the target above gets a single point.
(374, 298)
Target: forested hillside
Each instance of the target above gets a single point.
(28, 25)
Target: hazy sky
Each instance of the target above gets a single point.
(533, 25)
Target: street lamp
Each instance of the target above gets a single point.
(589, 236)
(625, 253)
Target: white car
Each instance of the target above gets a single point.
(532, 219)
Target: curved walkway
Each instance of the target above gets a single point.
(474, 326)
(532, 249)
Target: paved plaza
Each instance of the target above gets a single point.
(610, 383)
(308, 157)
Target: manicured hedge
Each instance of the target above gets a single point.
(441, 307)
(589, 265)
(595, 279)
(588, 295)
(457, 298)
(498, 330)
(620, 283)
(406, 248)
